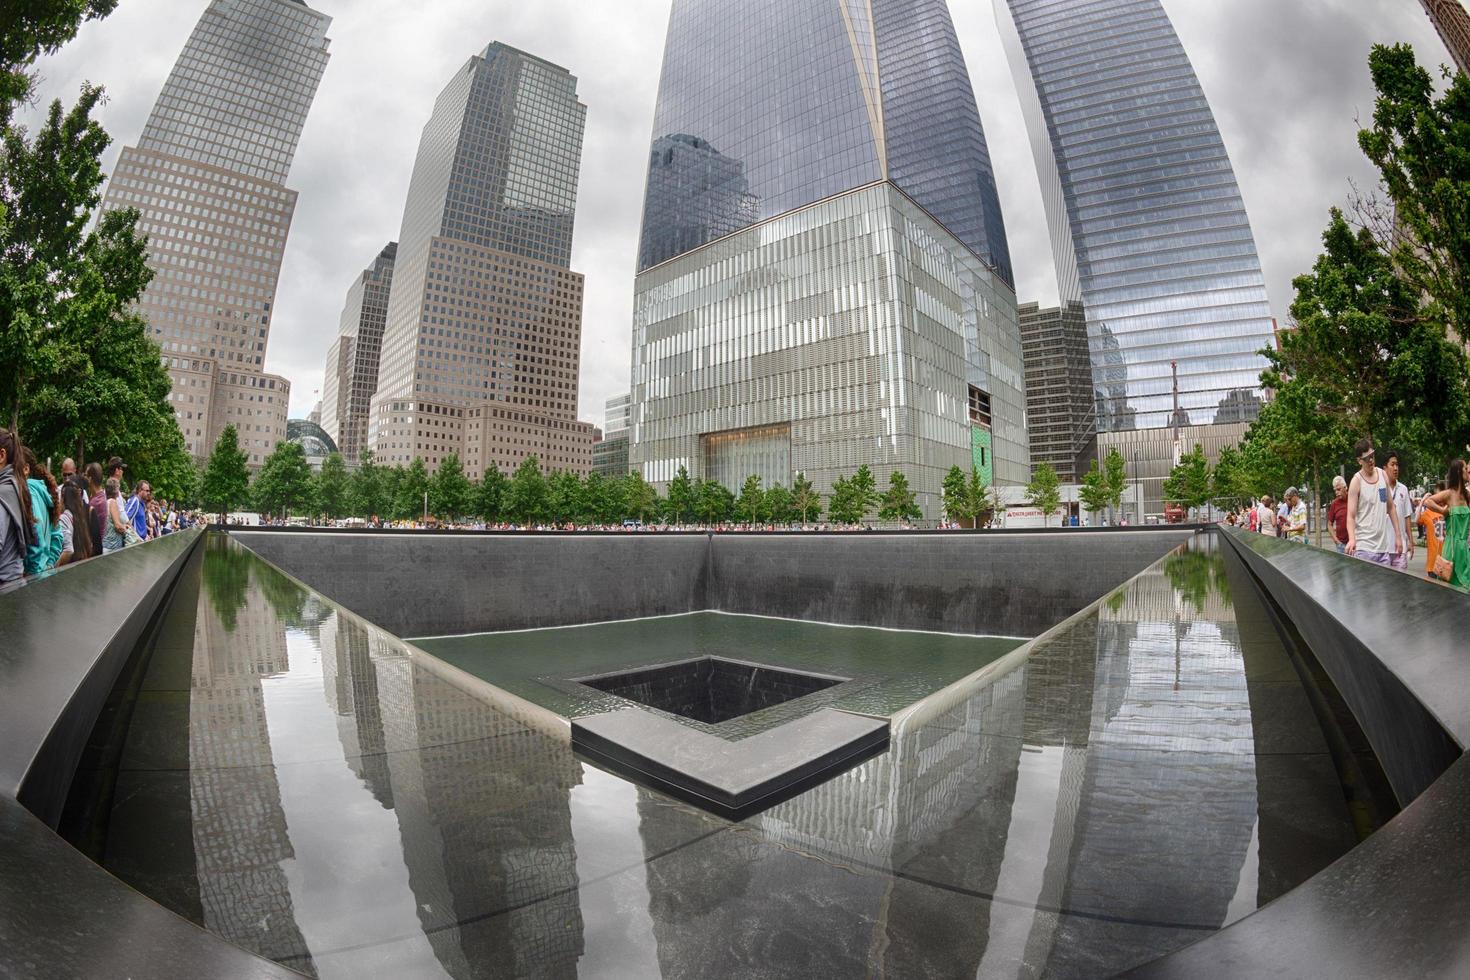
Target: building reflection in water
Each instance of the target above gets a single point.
(1081, 807)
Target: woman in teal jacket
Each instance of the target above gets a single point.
(45, 514)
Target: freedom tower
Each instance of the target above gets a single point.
(823, 278)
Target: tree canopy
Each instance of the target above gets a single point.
(226, 482)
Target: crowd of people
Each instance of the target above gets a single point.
(47, 521)
(1376, 518)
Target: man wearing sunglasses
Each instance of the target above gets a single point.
(1372, 534)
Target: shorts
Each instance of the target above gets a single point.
(1399, 561)
(1377, 557)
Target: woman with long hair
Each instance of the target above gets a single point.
(116, 536)
(15, 510)
(45, 514)
(76, 525)
(1454, 502)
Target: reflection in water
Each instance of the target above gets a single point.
(1144, 776)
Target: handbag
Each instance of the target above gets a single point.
(131, 535)
(1443, 570)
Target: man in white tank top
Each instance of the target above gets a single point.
(1372, 536)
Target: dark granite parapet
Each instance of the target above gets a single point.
(1012, 584)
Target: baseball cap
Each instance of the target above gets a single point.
(116, 463)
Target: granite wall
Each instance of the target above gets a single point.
(432, 585)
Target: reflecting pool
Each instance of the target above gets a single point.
(302, 784)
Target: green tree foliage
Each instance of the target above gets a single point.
(715, 502)
(1044, 491)
(565, 501)
(489, 494)
(864, 491)
(1188, 483)
(681, 496)
(1115, 477)
(331, 488)
(956, 497)
(283, 486)
(750, 507)
(451, 494)
(408, 494)
(226, 483)
(640, 498)
(984, 501)
(31, 28)
(899, 503)
(1421, 146)
(527, 498)
(779, 504)
(806, 503)
(367, 496)
(841, 508)
(1095, 493)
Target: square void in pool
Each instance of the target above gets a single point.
(711, 689)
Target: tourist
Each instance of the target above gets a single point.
(137, 508)
(45, 547)
(1337, 514)
(68, 469)
(118, 526)
(76, 537)
(1371, 535)
(1401, 511)
(1454, 503)
(96, 505)
(1266, 516)
(1296, 517)
(15, 511)
(1432, 525)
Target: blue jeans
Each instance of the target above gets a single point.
(1341, 548)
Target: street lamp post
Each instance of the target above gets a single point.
(1137, 492)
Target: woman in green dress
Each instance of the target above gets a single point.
(1454, 502)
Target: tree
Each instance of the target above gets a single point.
(451, 494)
(1115, 478)
(714, 503)
(1188, 483)
(864, 491)
(226, 482)
(1095, 493)
(367, 497)
(408, 494)
(751, 505)
(332, 486)
(681, 496)
(841, 505)
(957, 505)
(527, 497)
(489, 494)
(283, 485)
(1044, 491)
(805, 500)
(899, 503)
(1421, 146)
(640, 498)
(29, 30)
(778, 504)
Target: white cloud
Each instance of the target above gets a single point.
(1288, 82)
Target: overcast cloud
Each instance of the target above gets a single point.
(1287, 80)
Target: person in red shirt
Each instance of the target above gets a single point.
(1337, 513)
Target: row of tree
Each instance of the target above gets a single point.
(285, 486)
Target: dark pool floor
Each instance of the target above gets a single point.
(299, 783)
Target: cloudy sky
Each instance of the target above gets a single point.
(1287, 80)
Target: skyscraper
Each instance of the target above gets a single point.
(482, 346)
(823, 274)
(351, 375)
(208, 177)
(1059, 393)
(1149, 230)
(1453, 24)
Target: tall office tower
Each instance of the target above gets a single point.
(208, 177)
(1059, 395)
(351, 375)
(823, 278)
(483, 341)
(1453, 24)
(610, 453)
(1148, 226)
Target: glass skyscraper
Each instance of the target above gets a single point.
(1148, 226)
(351, 376)
(482, 345)
(823, 273)
(208, 179)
